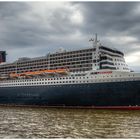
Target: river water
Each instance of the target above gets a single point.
(24, 122)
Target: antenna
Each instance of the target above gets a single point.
(94, 41)
(96, 37)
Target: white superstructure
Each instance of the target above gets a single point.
(93, 65)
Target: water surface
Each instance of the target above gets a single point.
(24, 122)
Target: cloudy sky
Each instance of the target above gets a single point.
(30, 29)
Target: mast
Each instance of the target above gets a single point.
(96, 45)
(97, 52)
(94, 41)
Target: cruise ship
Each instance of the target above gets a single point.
(95, 77)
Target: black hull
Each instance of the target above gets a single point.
(97, 95)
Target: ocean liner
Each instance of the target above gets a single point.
(95, 77)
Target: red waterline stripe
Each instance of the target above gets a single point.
(119, 107)
(79, 107)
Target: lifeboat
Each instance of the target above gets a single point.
(14, 75)
(57, 71)
(39, 73)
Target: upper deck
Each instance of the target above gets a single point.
(93, 58)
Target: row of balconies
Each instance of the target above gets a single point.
(45, 64)
(72, 52)
(71, 56)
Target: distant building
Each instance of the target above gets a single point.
(2, 56)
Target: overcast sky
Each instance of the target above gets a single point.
(31, 29)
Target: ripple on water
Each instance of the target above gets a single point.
(20, 122)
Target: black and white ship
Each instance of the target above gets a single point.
(95, 77)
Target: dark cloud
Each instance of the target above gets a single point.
(35, 28)
(110, 16)
(12, 9)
